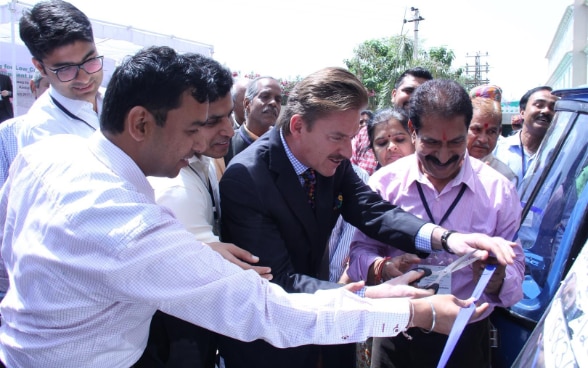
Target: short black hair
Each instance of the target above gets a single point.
(369, 113)
(417, 72)
(440, 97)
(52, 24)
(527, 95)
(219, 78)
(154, 78)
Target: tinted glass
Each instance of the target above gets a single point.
(560, 170)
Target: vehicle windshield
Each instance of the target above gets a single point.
(561, 170)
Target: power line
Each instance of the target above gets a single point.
(478, 71)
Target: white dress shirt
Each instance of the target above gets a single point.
(511, 152)
(188, 197)
(46, 118)
(90, 257)
(8, 145)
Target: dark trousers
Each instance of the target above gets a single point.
(260, 354)
(176, 343)
(424, 350)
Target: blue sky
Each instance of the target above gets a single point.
(291, 38)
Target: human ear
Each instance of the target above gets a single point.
(137, 122)
(39, 66)
(296, 125)
(412, 131)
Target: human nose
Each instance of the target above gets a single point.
(443, 154)
(227, 127)
(346, 149)
(392, 146)
(548, 110)
(198, 144)
(482, 137)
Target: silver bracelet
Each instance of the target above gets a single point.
(410, 322)
(434, 318)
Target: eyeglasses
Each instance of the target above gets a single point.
(70, 72)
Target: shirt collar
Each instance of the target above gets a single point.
(299, 167)
(75, 106)
(251, 134)
(120, 163)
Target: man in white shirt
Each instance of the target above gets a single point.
(193, 198)
(60, 39)
(8, 141)
(90, 255)
(537, 107)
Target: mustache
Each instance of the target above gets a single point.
(268, 108)
(546, 117)
(338, 157)
(481, 145)
(435, 161)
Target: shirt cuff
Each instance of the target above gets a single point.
(361, 292)
(423, 238)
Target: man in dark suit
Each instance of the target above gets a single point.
(267, 211)
(5, 96)
(262, 105)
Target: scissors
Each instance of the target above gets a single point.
(458, 264)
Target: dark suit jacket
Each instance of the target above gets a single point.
(241, 140)
(265, 210)
(5, 104)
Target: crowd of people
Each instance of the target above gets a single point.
(180, 218)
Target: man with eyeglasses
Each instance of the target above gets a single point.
(60, 39)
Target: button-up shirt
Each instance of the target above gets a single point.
(188, 197)
(510, 151)
(90, 257)
(490, 205)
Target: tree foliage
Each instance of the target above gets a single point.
(378, 63)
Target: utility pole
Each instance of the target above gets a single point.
(416, 18)
(479, 71)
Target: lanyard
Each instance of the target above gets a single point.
(69, 113)
(449, 210)
(522, 156)
(206, 182)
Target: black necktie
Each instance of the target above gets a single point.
(309, 185)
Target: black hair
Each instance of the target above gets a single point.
(417, 72)
(154, 78)
(52, 24)
(439, 97)
(383, 116)
(369, 113)
(219, 78)
(527, 95)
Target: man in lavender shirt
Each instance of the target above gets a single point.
(442, 184)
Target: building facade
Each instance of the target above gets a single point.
(568, 53)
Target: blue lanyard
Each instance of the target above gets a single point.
(523, 163)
